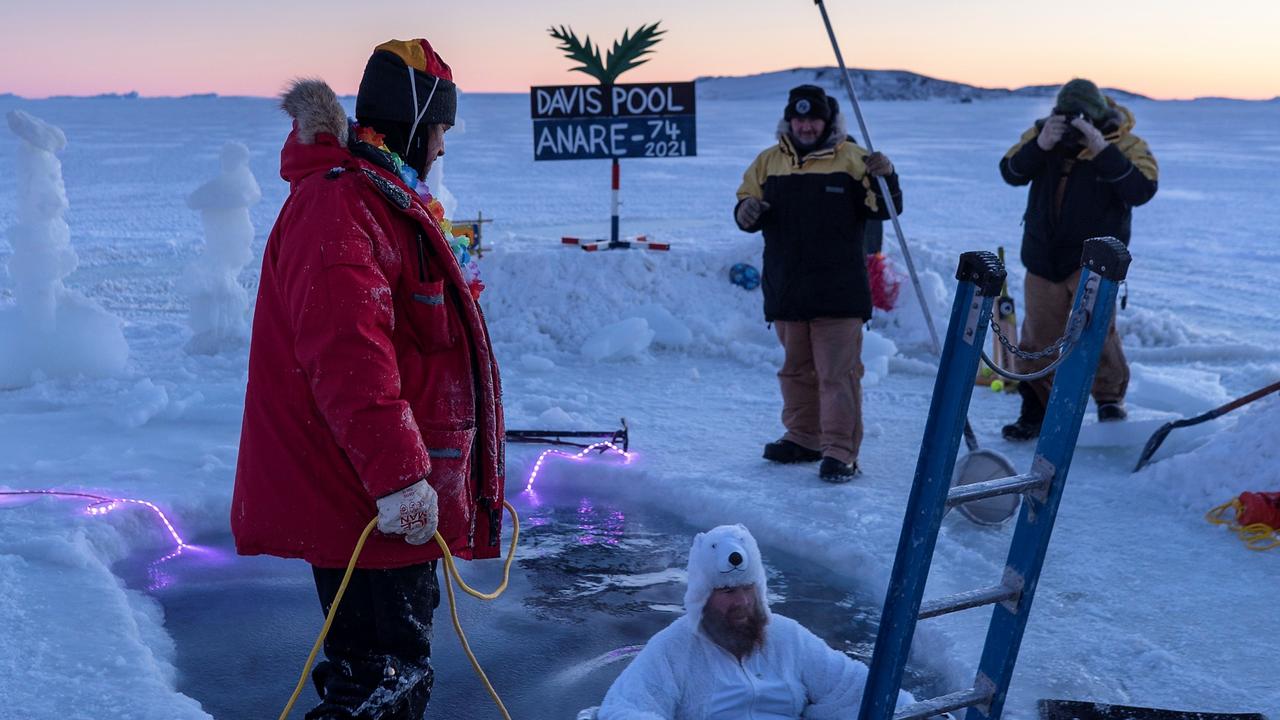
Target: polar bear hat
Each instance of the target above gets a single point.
(726, 556)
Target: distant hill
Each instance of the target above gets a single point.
(131, 95)
(869, 84)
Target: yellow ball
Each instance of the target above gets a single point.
(997, 385)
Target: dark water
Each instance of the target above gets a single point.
(591, 583)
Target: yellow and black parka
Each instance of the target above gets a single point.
(1075, 195)
(814, 257)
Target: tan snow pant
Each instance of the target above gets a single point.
(821, 380)
(1044, 319)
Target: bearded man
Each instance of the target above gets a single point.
(728, 656)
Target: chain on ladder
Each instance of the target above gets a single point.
(1062, 347)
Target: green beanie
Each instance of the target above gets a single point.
(1082, 96)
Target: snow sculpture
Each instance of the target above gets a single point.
(219, 304)
(49, 331)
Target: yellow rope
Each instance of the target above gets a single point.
(451, 570)
(1258, 536)
(1216, 515)
(328, 620)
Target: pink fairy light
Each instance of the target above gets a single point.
(537, 466)
(103, 505)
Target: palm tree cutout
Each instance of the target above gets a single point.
(627, 53)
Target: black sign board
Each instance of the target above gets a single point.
(641, 120)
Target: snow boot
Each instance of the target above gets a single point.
(785, 451)
(834, 471)
(1027, 426)
(1111, 412)
(375, 688)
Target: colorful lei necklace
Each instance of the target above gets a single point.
(459, 244)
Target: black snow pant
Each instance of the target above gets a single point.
(873, 236)
(378, 650)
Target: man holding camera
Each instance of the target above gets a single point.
(811, 195)
(1087, 170)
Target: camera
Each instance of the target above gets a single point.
(1071, 136)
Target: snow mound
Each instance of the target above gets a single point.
(556, 417)
(876, 352)
(627, 338)
(1132, 432)
(542, 306)
(550, 303)
(1155, 328)
(1186, 391)
(1157, 396)
(905, 323)
(536, 363)
(84, 340)
(667, 329)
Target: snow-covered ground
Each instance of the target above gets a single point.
(1141, 601)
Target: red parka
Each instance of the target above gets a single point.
(370, 366)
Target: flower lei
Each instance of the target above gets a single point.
(459, 244)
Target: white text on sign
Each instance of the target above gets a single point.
(589, 100)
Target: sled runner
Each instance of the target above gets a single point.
(620, 437)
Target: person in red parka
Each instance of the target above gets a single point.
(373, 390)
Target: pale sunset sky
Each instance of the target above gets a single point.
(1170, 49)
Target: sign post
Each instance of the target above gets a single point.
(639, 120)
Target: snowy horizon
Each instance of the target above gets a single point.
(756, 85)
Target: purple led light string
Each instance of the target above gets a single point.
(537, 466)
(103, 505)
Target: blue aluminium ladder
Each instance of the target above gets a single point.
(1104, 264)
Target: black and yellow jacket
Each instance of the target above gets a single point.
(1077, 196)
(814, 260)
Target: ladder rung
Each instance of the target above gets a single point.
(991, 488)
(945, 703)
(966, 600)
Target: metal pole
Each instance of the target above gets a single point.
(613, 231)
(884, 186)
(970, 439)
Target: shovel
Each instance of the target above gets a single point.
(1158, 437)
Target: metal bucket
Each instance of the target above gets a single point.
(979, 466)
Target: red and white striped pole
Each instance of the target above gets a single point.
(613, 234)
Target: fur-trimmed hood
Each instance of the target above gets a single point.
(315, 109)
(318, 142)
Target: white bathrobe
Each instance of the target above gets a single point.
(682, 674)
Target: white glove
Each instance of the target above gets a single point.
(749, 211)
(1051, 132)
(413, 512)
(1093, 137)
(878, 165)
